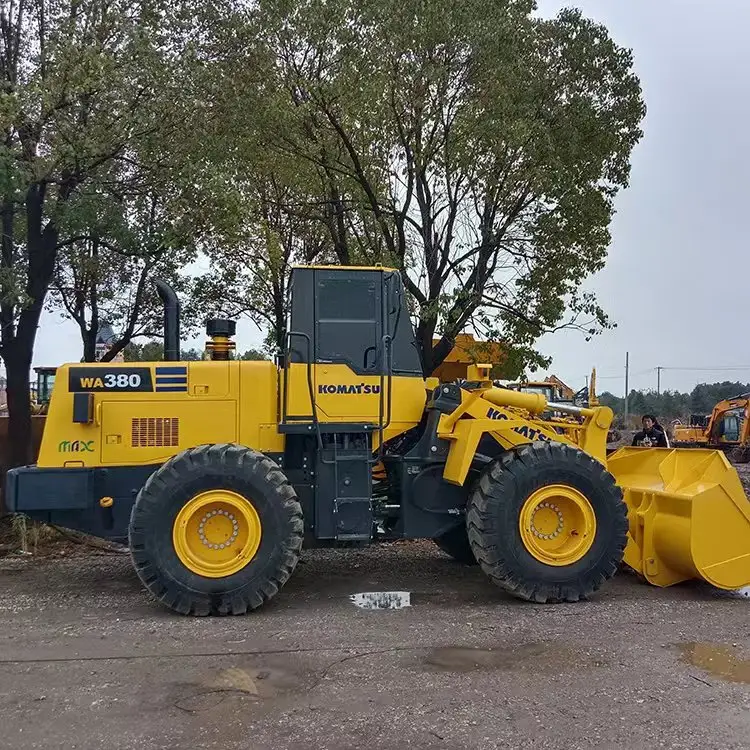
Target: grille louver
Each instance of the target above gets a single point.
(155, 432)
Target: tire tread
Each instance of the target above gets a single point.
(482, 522)
(233, 459)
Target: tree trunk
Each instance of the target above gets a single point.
(18, 346)
(424, 333)
(19, 409)
(89, 344)
(17, 366)
(279, 315)
(432, 355)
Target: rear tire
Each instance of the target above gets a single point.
(455, 544)
(246, 476)
(495, 514)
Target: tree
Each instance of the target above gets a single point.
(86, 86)
(253, 355)
(106, 266)
(704, 396)
(700, 399)
(252, 258)
(149, 351)
(153, 351)
(613, 402)
(637, 403)
(469, 143)
(669, 405)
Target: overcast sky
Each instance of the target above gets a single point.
(676, 281)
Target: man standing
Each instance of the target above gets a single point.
(652, 435)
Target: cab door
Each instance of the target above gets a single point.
(350, 366)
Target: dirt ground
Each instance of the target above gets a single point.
(88, 660)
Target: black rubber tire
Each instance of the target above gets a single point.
(455, 544)
(493, 522)
(233, 467)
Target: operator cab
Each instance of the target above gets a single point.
(352, 316)
(548, 391)
(45, 380)
(729, 428)
(351, 378)
(350, 351)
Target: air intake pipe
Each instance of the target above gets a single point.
(171, 320)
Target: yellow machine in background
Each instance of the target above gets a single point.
(727, 429)
(45, 381)
(215, 472)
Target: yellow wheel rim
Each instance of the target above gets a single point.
(557, 524)
(216, 534)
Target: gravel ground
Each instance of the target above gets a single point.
(88, 660)
(744, 471)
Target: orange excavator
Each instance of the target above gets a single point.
(727, 429)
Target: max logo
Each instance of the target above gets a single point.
(77, 446)
(361, 388)
(527, 432)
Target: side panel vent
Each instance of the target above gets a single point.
(155, 432)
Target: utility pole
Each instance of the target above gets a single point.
(658, 380)
(627, 369)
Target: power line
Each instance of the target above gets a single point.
(709, 369)
(640, 373)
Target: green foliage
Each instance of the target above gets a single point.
(97, 99)
(102, 115)
(105, 267)
(673, 404)
(469, 143)
(153, 351)
(253, 355)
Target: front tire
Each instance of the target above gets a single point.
(547, 523)
(216, 530)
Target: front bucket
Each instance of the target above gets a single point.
(688, 514)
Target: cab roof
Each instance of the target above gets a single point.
(348, 268)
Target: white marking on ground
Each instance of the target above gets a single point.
(382, 599)
(743, 593)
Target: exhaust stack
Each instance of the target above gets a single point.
(171, 320)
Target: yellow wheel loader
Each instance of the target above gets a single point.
(216, 472)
